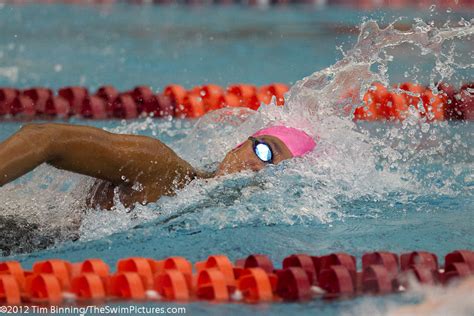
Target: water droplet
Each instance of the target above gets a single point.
(425, 127)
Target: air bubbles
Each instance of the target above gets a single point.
(425, 127)
(137, 186)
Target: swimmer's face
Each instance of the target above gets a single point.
(244, 157)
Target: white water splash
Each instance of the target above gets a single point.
(423, 300)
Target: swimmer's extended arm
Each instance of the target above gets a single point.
(119, 159)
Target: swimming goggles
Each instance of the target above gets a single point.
(262, 150)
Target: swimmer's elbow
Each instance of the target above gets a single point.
(37, 129)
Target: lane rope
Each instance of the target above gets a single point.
(250, 280)
(379, 102)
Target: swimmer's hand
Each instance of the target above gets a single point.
(124, 160)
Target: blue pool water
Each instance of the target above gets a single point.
(127, 45)
(368, 186)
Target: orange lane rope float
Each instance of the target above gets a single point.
(379, 103)
(250, 280)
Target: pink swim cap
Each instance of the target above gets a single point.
(298, 142)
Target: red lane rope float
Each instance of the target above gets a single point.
(9, 290)
(59, 268)
(108, 102)
(43, 288)
(256, 285)
(172, 285)
(127, 286)
(379, 102)
(14, 269)
(251, 280)
(408, 98)
(89, 286)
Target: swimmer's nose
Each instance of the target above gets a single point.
(239, 146)
(237, 159)
(243, 158)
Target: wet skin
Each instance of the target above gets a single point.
(140, 169)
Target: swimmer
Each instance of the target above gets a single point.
(121, 163)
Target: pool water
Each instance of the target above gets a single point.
(368, 186)
(128, 45)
